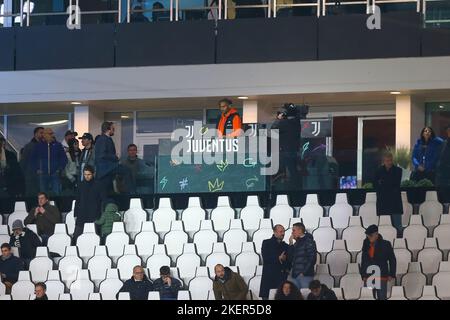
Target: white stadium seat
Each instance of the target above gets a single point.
(311, 212)
(234, 238)
(415, 234)
(282, 212)
(340, 212)
(192, 216)
(40, 265)
(324, 236)
(54, 285)
(442, 234)
(431, 210)
(255, 283)
(82, 286)
(414, 281)
(218, 256)
(87, 241)
(175, 239)
(351, 283)
(264, 232)
(429, 293)
(134, 217)
(58, 242)
(98, 264)
(127, 262)
(251, 214)
(403, 256)
(407, 209)
(163, 216)
(188, 262)
(157, 260)
(205, 238)
(338, 259)
(430, 257)
(366, 293)
(368, 213)
(442, 281)
(323, 275)
(146, 239)
(201, 284)
(111, 285)
(22, 289)
(116, 241)
(247, 261)
(398, 293)
(222, 215)
(70, 265)
(354, 235)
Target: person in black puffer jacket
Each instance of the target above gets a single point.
(303, 255)
(138, 286)
(25, 240)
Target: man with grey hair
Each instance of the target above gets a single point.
(275, 264)
(138, 286)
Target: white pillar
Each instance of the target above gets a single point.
(250, 111)
(409, 120)
(87, 119)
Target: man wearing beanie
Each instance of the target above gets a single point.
(25, 240)
(377, 254)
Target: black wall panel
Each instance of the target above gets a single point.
(56, 47)
(267, 40)
(7, 45)
(435, 42)
(347, 37)
(165, 43)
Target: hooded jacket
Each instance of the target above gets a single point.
(303, 254)
(427, 156)
(138, 289)
(231, 287)
(109, 216)
(229, 122)
(28, 241)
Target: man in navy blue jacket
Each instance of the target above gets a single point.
(49, 160)
(275, 263)
(9, 267)
(106, 160)
(138, 286)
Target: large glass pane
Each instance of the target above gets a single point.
(165, 121)
(438, 117)
(123, 135)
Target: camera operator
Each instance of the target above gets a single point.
(288, 124)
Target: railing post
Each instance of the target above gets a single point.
(220, 10)
(424, 8)
(119, 11)
(418, 5)
(269, 5)
(77, 13)
(225, 10)
(318, 8)
(176, 10)
(21, 13)
(171, 10)
(128, 11)
(28, 13)
(274, 8)
(324, 7)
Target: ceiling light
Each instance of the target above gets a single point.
(51, 123)
(441, 107)
(75, 103)
(395, 92)
(125, 117)
(243, 98)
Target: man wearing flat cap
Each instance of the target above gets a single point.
(378, 255)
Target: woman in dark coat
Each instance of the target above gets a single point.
(288, 291)
(275, 262)
(426, 155)
(387, 182)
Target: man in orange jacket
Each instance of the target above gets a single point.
(230, 121)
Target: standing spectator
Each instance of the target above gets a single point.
(45, 216)
(71, 170)
(288, 291)
(167, 286)
(27, 160)
(11, 178)
(320, 291)
(88, 206)
(109, 216)
(87, 156)
(138, 15)
(443, 169)
(228, 285)
(9, 267)
(25, 240)
(275, 265)
(139, 172)
(69, 135)
(425, 155)
(138, 286)
(303, 255)
(229, 122)
(49, 162)
(387, 182)
(40, 290)
(106, 161)
(378, 253)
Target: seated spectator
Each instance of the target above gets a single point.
(25, 240)
(45, 216)
(320, 291)
(288, 291)
(138, 286)
(109, 216)
(166, 285)
(228, 285)
(40, 290)
(9, 267)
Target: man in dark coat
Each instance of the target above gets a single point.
(387, 182)
(106, 160)
(10, 266)
(25, 240)
(443, 168)
(89, 205)
(11, 176)
(45, 216)
(303, 255)
(26, 163)
(320, 291)
(228, 285)
(378, 255)
(275, 265)
(138, 286)
(167, 286)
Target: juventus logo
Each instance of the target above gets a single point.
(316, 125)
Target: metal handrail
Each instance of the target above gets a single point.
(293, 5)
(329, 4)
(399, 1)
